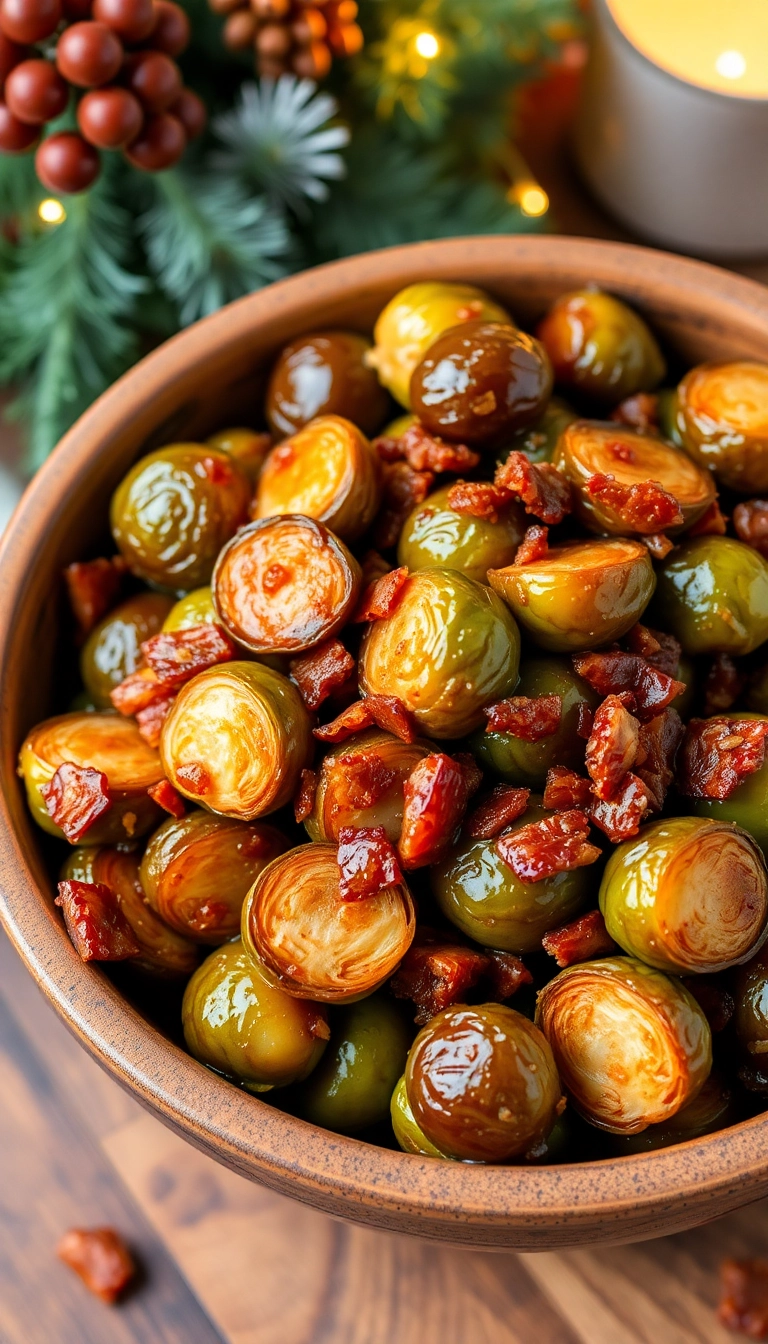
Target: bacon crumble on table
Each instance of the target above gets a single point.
(557, 844)
(402, 489)
(644, 507)
(503, 805)
(385, 711)
(718, 754)
(711, 524)
(95, 923)
(75, 797)
(381, 596)
(99, 1257)
(743, 1304)
(367, 862)
(533, 547)
(612, 747)
(426, 452)
(321, 671)
(614, 672)
(580, 940)
(750, 523)
(723, 685)
(93, 587)
(542, 489)
(435, 797)
(531, 718)
(164, 794)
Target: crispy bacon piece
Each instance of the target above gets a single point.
(655, 766)
(351, 720)
(137, 691)
(175, 656)
(151, 719)
(659, 544)
(168, 798)
(713, 998)
(542, 489)
(95, 923)
(565, 790)
(534, 546)
(426, 452)
(381, 596)
(656, 647)
(304, 801)
(92, 588)
(322, 671)
(722, 686)
(480, 499)
(711, 524)
(503, 805)
(402, 489)
(580, 941)
(585, 719)
(365, 778)
(612, 746)
(718, 754)
(750, 522)
(100, 1257)
(435, 799)
(195, 776)
(473, 775)
(644, 507)
(640, 412)
(743, 1304)
(385, 711)
(615, 671)
(531, 718)
(75, 798)
(620, 816)
(367, 862)
(435, 975)
(555, 845)
(506, 974)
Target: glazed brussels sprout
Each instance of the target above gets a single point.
(482, 1085)
(237, 739)
(600, 346)
(284, 584)
(722, 420)
(480, 381)
(325, 374)
(687, 895)
(757, 690)
(712, 1109)
(248, 447)
(197, 870)
(326, 471)
(747, 805)
(195, 608)
(361, 784)
(434, 534)
(112, 650)
(580, 595)
(632, 1046)
(527, 763)
(478, 892)
(539, 440)
(174, 510)
(449, 648)
(413, 320)
(352, 1087)
(317, 945)
(666, 410)
(750, 992)
(713, 593)
(105, 742)
(242, 1025)
(409, 1135)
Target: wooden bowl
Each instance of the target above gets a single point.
(209, 376)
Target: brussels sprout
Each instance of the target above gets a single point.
(242, 1025)
(712, 1109)
(722, 419)
(174, 510)
(285, 584)
(687, 895)
(317, 945)
(197, 870)
(632, 1045)
(666, 407)
(757, 690)
(747, 806)
(410, 1137)
(248, 447)
(106, 742)
(449, 648)
(112, 650)
(713, 593)
(600, 346)
(479, 893)
(482, 1084)
(351, 1089)
(237, 739)
(434, 534)
(325, 374)
(539, 440)
(685, 700)
(580, 595)
(196, 608)
(361, 784)
(750, 991)
(413, 320)
(327, 471)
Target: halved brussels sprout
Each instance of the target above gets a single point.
(361, 784)
(712, 1109)
(600, 346)
(747, 806)
(449, 648)
(326, 471)
(434, 534)
(409, 1135)
(539, 440)
(688, 895)
(112, 650)
(351, 1089)
(722, 419)
(317, 945)
(713, 593)
(237, 739)
(325, 374)
(750, 991)
(249, 448)
(580, 595)
(195, 608)
(238, 1022)
(197, 870)
(632, 1045)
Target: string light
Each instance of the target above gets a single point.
(51, 211)
(532, 199)
(427, 45)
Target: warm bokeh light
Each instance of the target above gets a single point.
(731, 65)
(717, 44)
(427, 45)
(51, 211)
(533, 200)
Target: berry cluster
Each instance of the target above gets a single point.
(298, 35)
(119, 56)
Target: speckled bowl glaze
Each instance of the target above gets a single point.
(211, 375)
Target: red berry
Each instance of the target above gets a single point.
(132, 20)
(65, 163)
(29, 20)
(159, 145)
(15, 135)
(89, 54)
(154, 78)
(109, 118)
(191, 112)
(35, 92)
(171, 31)
(10, 55)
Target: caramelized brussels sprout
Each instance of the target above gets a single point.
(632, 1046)
(482, 1084)
(434, 534)
(722, 419)
(198, 869)
(580, 595)
(248, 447)
(361, 784)
(326, 471)
(352, 1087)
(284, 584)
(112, 650)
(237, 739)
(174, 510)
(449, 648)
(539, 440)
(105, 742)
(747, 806)
(325, 374)
(196, 608)
(411, 1138)
(713, 593)
(750, 992)
(712, 1109)
(413, 320)
(666, 407)
(242, 1025)
(317, 945)
(600, 346)
(687, 895)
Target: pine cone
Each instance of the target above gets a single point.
(291, 35)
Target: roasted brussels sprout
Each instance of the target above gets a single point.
(411, 1138)
(750, 992)
(666, 409)
(326, 471)
(248, 447)
(580, 595)
(713, 593)
(757, 690)
(539, 440)
(527, 763)
(196, 608)
(482, 1084)
(747, 806)
(632, 1046)
(112, 649)
(352, 1088)
(175, 509)
(600, 346)
(413, 320)
(687, 895)
(449, 648)
(238, 1022)
(713, 1108)
(722, 420)
(325, 374)
(434, 534)
(317, 945)
(237, 739)
(197, 870)
(361, 784)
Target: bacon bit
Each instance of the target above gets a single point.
(543, 490)
(612, 746)
(367, 862)
(655, 766)
(168, 798)
(723, 685)
(92, 588)
(385, 711)
(275, 577)
(95, 923)
(565, 790)
(150, 720)
(137, 691)
(713, 998)
(364, 779)
(534, 546)
(382, 596)
(613, 672)
(659, 545)
(503, 805)
(319, 1028)
(585, 719)
(580, 941)
(351, 720)
(750, 522)
(644, 507)
(100, 1257)
(506, 973)
(718, 754)
(640, 412)
(304, 801)
(620, 817)
(321, 671)
(712, 523)
(75, 798)
(542, 848)
(402, 489)
(175, 656)
(426, 452)
(373, 567)
(480, 499)
(743, 1304)
(435, 975)
(657, 648)
(473, 775)
(435, 797)
(531, 718)
(195, 776)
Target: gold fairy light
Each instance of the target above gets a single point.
(51, 211)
